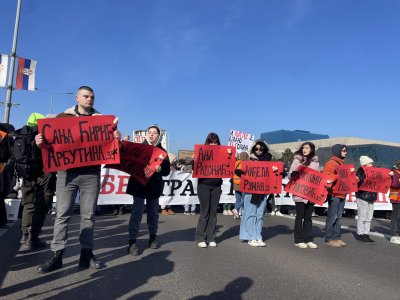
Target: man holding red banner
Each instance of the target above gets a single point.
(336, 201)
(86, 180)
(151, 192)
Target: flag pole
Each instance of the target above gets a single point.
(8, 103)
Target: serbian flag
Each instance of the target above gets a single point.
(26, 74)
(3, 69)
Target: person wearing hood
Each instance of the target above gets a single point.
(336, 202)
(305, 157)
(150, 192)
(254, 204)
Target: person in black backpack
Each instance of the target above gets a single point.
(37, 186)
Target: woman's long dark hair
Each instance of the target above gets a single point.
(266, 154)
(308, 158)
(212, 138)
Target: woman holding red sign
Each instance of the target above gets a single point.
(365, 204)
(209, 191)
(254, 204)
(151, 192)
(305, 157)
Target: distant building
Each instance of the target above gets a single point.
(288, 136)
(384, 154)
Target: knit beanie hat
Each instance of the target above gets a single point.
(364, 160)
(337, 150)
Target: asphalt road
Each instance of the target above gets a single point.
(181, 270)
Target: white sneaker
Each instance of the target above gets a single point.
(230, 213)
(395, 239)
(301, 245)
(272, 213)
(253, 243)
(202, 245)
(235, 214)
(225, 213)
(312, 245)
(261, 243)
(212, 244)
(279, 214)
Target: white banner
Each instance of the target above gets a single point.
(180, 189)
(242, 141)
(3, 69)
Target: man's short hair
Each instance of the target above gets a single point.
(86, 88)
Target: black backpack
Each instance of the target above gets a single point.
(26, 155)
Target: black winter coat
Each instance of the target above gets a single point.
(364, 195)
(154, 187)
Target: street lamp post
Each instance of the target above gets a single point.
(8, 103)
(52, 95)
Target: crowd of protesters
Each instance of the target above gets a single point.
(39, 188)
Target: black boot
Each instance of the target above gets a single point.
(153, 243)
(87, 259)
(54, 263)
(368, 240)
(359, 237)
(133, 248)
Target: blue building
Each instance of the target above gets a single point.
(288, 136)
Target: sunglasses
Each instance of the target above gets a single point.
(344, 150)
(259, 149)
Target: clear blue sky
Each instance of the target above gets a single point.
(330, 67)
